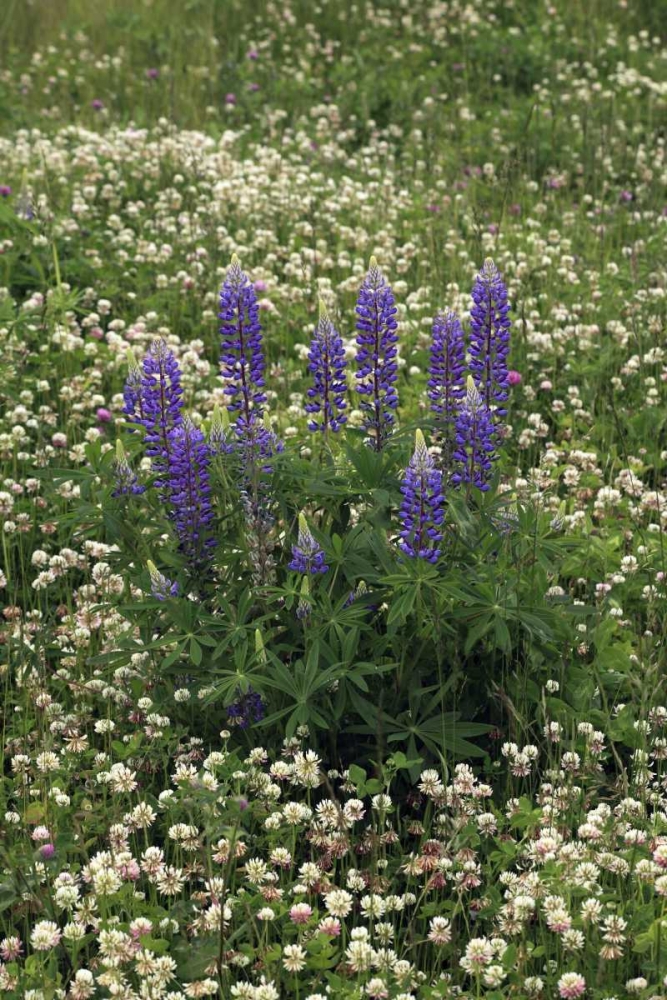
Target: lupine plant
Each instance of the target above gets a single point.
(316, 602)
(435, 771)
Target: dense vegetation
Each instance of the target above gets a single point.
(333, 437)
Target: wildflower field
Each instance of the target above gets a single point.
(333, 496)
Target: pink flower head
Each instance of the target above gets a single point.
(660, 855)
(571, 985)
(230, 99)
(514, 378)
(329, 926)
(142, 925)
(103, 415)
(300, 913)
(97, 104)
(152, 73)
(130, 871)
(41, 833)
(11, 948)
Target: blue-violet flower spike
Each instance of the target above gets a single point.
(422, 511)
(161, 401)
(126, 479)
(446, 383)
(474, 448)
(189, 493)
(242, 356)
(490, 338)
(376, 354)
(327, 365)
(219, 434)
(161, 586)
(307, 553)
(132, 405)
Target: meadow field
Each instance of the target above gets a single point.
(333, 496)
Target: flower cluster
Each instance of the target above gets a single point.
(153, 399)
(189, 493)
(242, 355)
(490, 338)
(290, 872)
(376, 355)
(422, 511)
(474, 448)
(307, 554)
(446, 383)
(327, 366)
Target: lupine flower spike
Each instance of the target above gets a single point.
(422, 511)
(190, 493)
(160, 402)
(307, 553)
(161, 586)
(474, 449)
(219, 433)
(126, 479)
(327, 366)
(490, 338)
(242, 357)
(376, 354)
(132, 407)
(446, 383)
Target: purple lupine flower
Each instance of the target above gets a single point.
(307, 553)
(490, 338)
(189, 492)
(257, 443)
(376, 355)
(219, 433)
(247, 708)
(423, 508)
(242, 357)
(160, 401)
(327, 365)
(446, 384)
(132, 405)
(161, 586)
(126, 479)
(474, 448)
